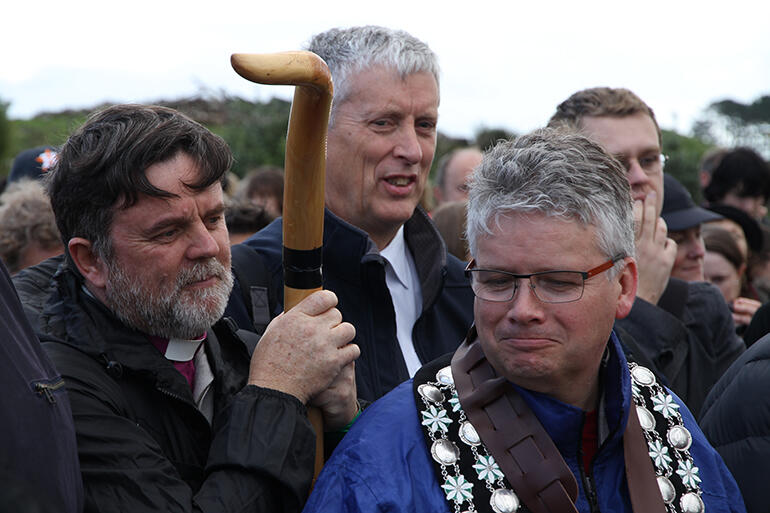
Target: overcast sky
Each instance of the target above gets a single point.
(504, 64)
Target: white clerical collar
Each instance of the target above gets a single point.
(396, 255)
(180, 350)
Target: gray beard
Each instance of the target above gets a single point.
(171, 313)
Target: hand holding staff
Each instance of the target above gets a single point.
(305, 169)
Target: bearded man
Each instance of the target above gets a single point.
(173, 409)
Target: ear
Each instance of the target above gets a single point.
(628, 281)
(91, 266)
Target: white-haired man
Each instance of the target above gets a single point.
(382, 256)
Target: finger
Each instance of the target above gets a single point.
(317, 302)
(649, 217)
(349, 353)
(661, 230)
(343, 333)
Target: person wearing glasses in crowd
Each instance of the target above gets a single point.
(537, 409)
(682, 331)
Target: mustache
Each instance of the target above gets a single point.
(201, 271)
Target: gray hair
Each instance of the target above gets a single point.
(26, 219)
(351, 50)
(559, 174)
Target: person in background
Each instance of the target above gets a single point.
(33, 163)
(682, 330)
(28, 232)
(725, 267)
(452, 174)
(450, 221)
(264, 187)
(683, 220)
(708, 164)
(244, 218)
(741, 180)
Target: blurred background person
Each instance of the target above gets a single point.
(708, 164)
(741, 180)
(264, 187)
(452, 173)
(725, 267)
(683, 219)
(28, 232)
(750, 237)
(244, 219)
(449, 218)
(32, 163)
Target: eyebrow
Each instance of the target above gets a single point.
(178, 220)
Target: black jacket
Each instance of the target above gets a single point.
(688, 338)
(143, 444)
(736, 420)
(354, 270)
(39, 462)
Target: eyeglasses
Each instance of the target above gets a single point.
(548, 286)
(651, 164)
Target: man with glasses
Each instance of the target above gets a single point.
(538, 410)
(683, 331)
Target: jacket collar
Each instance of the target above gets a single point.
(346, 247)
(81, 321)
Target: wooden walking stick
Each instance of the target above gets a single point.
(305, 168)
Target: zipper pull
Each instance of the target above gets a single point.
(43, 389)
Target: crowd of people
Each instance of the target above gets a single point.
(566, 331)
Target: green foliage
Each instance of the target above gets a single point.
(5, 137)
(256, 133)
(729, 123)
(684, 155)
(488, 137)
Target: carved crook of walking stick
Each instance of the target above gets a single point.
(305, 168)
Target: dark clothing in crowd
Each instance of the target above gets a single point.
(39, 463)
(355, 271)
(736, 419)
(759, 325)
(689, 338)
(143, 443)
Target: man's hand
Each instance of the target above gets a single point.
(305, 349)
(338, 402)
(655, 252)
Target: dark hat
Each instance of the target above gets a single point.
(679, 210)
(750, 226)
(33, 163)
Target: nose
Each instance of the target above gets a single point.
(203, 244)
(525, 306)
(697, 248)
(407, 146)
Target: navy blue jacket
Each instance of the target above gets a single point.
(39, 468)
(354, 270)
(736, 419)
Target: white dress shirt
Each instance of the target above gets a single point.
(406, 293)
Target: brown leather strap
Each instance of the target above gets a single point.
(512, 434)
(642, 484)
(524, 451)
